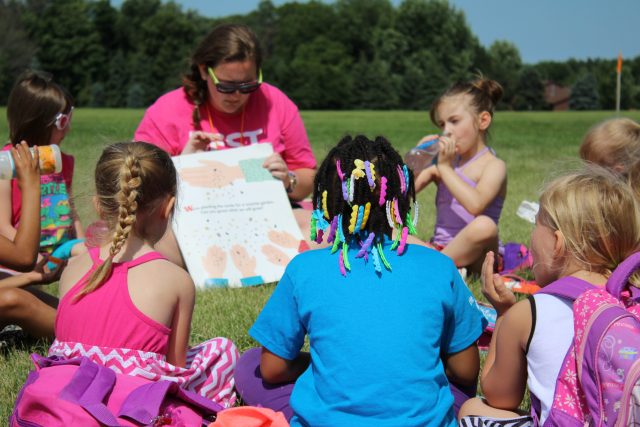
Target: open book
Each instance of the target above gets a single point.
(233, 220)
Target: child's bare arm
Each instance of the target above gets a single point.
(6, 229)
(181, 324)
(275, 369)
(39, 276)
(463, 367)
(21, 253)
(475, 200)
(426, 177)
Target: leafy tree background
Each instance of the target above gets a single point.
(349, 54)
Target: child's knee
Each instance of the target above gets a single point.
(11, 300)
(471, 407)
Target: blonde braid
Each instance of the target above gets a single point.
(126, 198)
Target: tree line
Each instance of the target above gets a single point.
(350, 54)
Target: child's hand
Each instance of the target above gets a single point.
(494, 289)
(42, 275)
(27, 167)
(447, 153)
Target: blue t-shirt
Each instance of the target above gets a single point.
(375, 340)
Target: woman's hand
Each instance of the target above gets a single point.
(203, 141)
(276, 165)
(494, 289)
(27, 166)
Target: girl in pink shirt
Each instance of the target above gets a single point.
(124, 305)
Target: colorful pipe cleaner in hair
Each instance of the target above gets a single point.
(371, 174)
(352, 185)
(405, 171)
(364, 249)
(339, 169)
(354, 219)
(376, 262)
(358, 226)
(389, 214)
(382, 257)
(324, 204)
(345, 191)
(403, 184)
(358, 171)
(367, 211)
(409, 224)
(416, 211)
(345, 257)
(403, 240)
(383, 190)
(396, 211)
(332, 230)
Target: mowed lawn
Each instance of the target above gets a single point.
(535, 145)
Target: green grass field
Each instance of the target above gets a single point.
(535, 146)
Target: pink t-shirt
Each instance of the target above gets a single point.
(269, 116)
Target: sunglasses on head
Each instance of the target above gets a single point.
(233, 87)
(62, 120)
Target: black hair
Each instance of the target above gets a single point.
(387, 163)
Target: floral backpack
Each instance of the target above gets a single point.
(599, 381)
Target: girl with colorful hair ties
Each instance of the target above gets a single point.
(124, 305)
(389, 323)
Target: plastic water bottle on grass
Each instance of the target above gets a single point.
(422, 156)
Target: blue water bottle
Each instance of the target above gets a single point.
(422, 156)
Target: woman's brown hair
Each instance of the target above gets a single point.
(225, 43)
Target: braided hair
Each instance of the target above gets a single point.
(131, 179)
(362, 192)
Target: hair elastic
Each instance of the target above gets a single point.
(416, 211)
(341, 264)
(312, 231)
(345, 191)
(319, 235)
(358, 171)
(409, 224)
(354, 219)
(383, 190)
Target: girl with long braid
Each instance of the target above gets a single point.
(124, 305)
(388, 322)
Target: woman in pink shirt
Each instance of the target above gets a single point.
(224, 104)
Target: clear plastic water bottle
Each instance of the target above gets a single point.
(422, 156)
(50, 161)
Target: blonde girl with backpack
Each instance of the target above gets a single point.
(588, 223)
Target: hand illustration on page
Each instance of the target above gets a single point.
(283, 239)
(215, 261)
(211, 174)
(275, 255)
(245, 263)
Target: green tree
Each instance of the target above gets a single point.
(529, 91)
(584, 93)
(505, 68)
(68, 44)
(16, 50)
(376, 88)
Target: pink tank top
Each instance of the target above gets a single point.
(451, 216)
(107, 316)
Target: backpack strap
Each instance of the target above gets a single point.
(618, 280)
(567, 287)
(88, 387)
(143, 404)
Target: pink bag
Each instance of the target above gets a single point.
(70, 392)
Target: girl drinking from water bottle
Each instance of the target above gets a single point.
(471, 180)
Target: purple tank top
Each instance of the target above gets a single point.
(451, 216)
